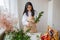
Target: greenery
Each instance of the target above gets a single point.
(20, 35)
(37, 19)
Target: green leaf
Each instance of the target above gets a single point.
(37, 19)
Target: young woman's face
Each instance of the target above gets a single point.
(29, 8)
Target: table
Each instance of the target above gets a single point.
(34, 36)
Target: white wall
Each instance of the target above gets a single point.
(50, 12)
(56, 14)
(4, 5)
(39, 5)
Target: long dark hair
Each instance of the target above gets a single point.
(26, 11)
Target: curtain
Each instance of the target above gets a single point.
(9, 9)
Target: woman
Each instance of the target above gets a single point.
(28, 17)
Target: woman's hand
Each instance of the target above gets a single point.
(28, 24)
(32, 24)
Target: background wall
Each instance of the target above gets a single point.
(56, 15)
(39, 5)
(50, 12)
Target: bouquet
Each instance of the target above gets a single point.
(37, 19)
(32, 22)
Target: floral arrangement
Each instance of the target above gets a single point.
(5, 23)
(11, 32)
(20, 34)
(51, 34)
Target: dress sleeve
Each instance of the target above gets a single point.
(24, 20)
